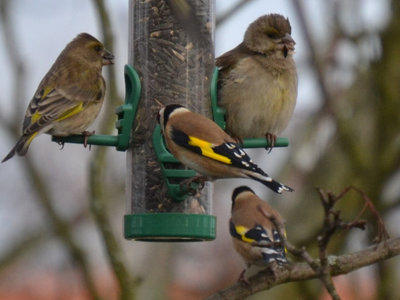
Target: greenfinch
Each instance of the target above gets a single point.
(70, 96)
(258, 80)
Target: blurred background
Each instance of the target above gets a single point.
(345, 131)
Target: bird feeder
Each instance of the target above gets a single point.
(174, 67)
(166, 65)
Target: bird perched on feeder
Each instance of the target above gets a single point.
(258, 80)
(254, 235)
(203, 146)
(70, 95)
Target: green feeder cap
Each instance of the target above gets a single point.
(169, 227)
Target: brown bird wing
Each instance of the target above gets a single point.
(204, 137)
(232, 57)
(44, 110)
(57, 103)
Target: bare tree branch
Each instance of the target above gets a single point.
(61, 227)
(98, 167)
(12, 50)
(320, 267)
(33, 240)
(33, 173)
(302, 271)
(231, 11)
(326, 266)
(22, 247)
(313, 53)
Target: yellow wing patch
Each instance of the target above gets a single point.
(73, 111)
(241, 230)
(31, 138)
(284, 248)
(207, 150)
(36, 116)
(46, 91)
(69, 113)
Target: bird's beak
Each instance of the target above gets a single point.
(108, 57)
(287, 44)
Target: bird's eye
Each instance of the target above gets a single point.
(97, 48)
(272, 34)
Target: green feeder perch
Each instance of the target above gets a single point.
(177, 191)
(126, 114)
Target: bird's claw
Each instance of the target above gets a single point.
(59, 141)
(86, 135)
(242, 278)
(271, 140)
(187, 184)
(237, 139)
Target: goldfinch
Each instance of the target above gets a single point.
(254, 236)
(203, 146)
(70, 95)
(258, 80)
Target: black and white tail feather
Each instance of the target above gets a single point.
(271, 250)
(241, 160)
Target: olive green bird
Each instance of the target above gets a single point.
(70, 96)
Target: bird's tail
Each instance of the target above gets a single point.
(276, 186)
(21, 147)
(274, 254)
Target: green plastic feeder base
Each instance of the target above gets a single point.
(169, 227)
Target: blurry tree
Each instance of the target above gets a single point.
(63, 229)
(353, 138)
(363, 147)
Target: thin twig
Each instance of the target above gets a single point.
(61, 227)
(231, 11)
(12, 50)
(289, 247)
(332, 222)
(368, 204)
(98, 167)
(40, 185)
(312, 50)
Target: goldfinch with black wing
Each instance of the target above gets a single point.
(254, 236)
(70, 95)
(203, 146)
(258, 80)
